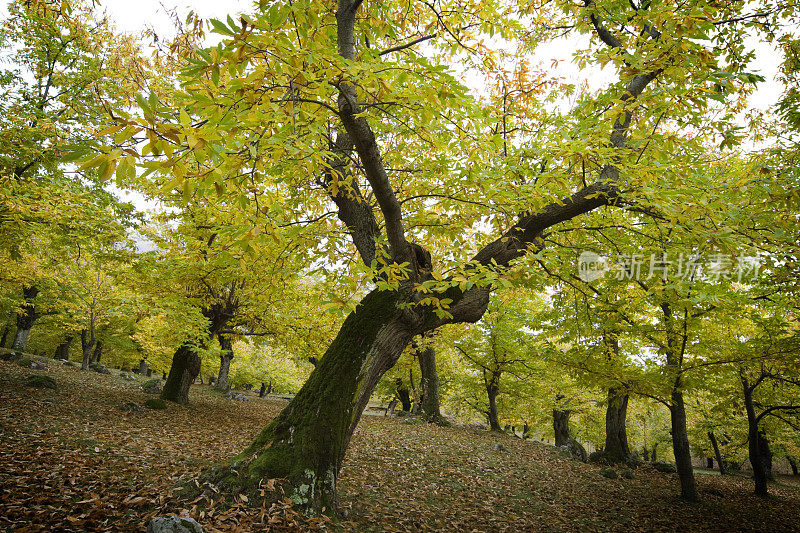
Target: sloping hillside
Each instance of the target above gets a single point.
(72, 459)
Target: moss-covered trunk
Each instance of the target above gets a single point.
(306, 443)
(185, 368)
(616, 448)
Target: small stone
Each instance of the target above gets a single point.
(127, 376)
(40, 382)
(153, 386)
(236, 396)
(100, 368)
(132, 407)
(155, 403)
(499, 447)
(174, 524)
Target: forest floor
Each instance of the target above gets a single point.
(72, 460)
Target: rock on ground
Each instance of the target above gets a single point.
(100, 368)
(152, 386)
(236, 396)
(174, 524)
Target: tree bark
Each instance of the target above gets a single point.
(87, 346)
(26, 317)
(403, 394)
(561, 427)
(792, 464)
(680, 447)
(766, 454)
(224, 363)
(185, 368)
(98, 352)
(492, 390)
(62, 351)
(722, 469)
(6, 331)
(616, 449)
(142, 371)
(430, 386)
(306, 443)
(754, 447)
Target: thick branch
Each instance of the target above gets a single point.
(352, 209)
(366, 145)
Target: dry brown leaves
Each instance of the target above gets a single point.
(71, 460)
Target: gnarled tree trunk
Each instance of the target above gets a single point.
(184, 370)
(306, 443)
(561, 427)
(616, 449)
(224, 362)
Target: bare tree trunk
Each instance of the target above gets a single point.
(561, 427)
(792, 464)
(62, 351)
(143, 367)
(87, 346)
(430, 386)
(616, 449)
(6, 331)
(680, 447)
(26, 317)
(224, 363)
(754, 447)
(403, 394)
(492, 390)
(98, 352)
(722, 469)
(185, 368)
